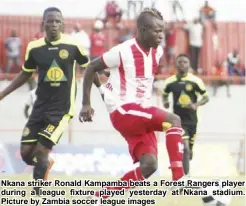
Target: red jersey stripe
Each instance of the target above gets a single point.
(122, 80)
(138, 61)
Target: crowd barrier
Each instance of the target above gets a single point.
(231, 35)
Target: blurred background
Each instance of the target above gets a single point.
(217, 55)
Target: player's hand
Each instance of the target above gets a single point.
(86, 114)
(166, 104)
(192, 106)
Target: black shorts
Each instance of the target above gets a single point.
(190, 131)
(43, 129)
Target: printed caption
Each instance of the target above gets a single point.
(76, 192)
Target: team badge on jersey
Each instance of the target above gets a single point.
(26, 132)
(188, 87)
(184, 99)
(55, 75)
(63, 54)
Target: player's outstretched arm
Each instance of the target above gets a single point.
(19, 80)
(87, 112)
(96, 65)
(98, 84)
(203, 101)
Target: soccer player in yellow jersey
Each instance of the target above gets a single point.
(55, 56)
(185, 88)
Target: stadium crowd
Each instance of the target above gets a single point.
(95, 41)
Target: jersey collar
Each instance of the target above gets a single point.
(54, 42)
(141, 49)
(183, 78)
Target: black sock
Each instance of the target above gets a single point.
(39, 171)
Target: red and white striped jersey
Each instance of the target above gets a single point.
(132, 71)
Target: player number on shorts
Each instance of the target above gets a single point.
(50, 128)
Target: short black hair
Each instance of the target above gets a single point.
(182, 55)
(50, 9)
(148, 11)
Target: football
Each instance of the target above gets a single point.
(214, 199)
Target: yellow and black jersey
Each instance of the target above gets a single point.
(185, 90)
(55, 63)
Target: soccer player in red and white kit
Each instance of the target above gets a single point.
(127, 96)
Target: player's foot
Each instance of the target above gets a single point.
(95, 199)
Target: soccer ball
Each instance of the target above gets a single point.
(216, 200)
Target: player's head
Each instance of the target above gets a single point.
(13, 33)
(182, 63)
(53, 22)
(150, 27)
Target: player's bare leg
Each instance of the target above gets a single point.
(174, 144)
(148, 165)
(27, 153)
(191, 145)
(42, 164)
(186, 157)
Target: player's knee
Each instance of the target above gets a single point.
(27, 158)
(26, 154)
(173, 119)
(41, 154)
(148, 166)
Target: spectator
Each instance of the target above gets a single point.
(12, 45)
(126, 36)
(170, 35)
(98, 40)
(177, 9)
(135, 6)
(113, 11)
(219, 71)
(233, 61)
(82, 38)
(207, 12)
(195, 42)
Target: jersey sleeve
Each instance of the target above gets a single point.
(29, 64)
(201, 87)
(81, 57)
(112, 58)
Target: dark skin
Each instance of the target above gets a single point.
(53, 26)
(149, 35)
(182, 66)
